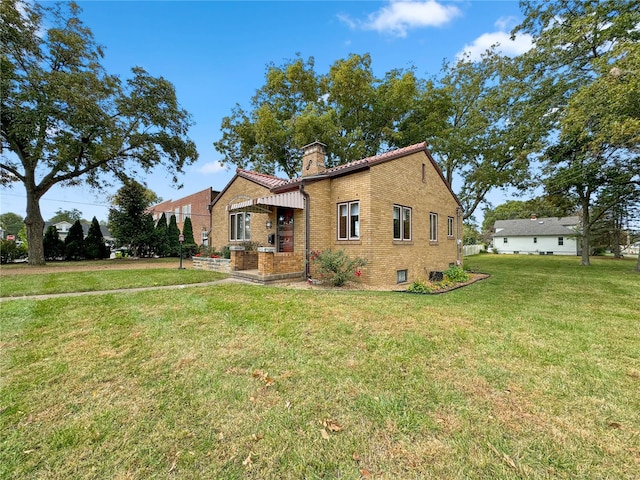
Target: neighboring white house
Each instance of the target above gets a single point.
(538, 236)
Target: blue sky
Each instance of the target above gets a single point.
(216, 53)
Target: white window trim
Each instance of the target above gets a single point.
(350, 235)
(402, 209)
(450, 228)
(232, 231)
(433, 227)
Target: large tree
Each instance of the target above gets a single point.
(485, 142)
(350, 110)
(468, 117)
(65, 120)
(66, 216)
(582, 76)
(11, 223)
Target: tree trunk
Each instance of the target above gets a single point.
(638, 264)
(35, 229)
(617, 235)
(586, 233)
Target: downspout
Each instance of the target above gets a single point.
(458, 239)
(307, 230)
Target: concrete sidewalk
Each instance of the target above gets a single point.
(122, 290)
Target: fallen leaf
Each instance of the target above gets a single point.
(287, 404)
(324, 434)
(257, 437)
(355, 456)
(247, 462)
(365, 473)
(332, 425)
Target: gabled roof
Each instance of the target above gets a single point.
(536, 227)
(360, 164)
(279, 185)
(268, 181)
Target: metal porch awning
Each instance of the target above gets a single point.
(261, 204)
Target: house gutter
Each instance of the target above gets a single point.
(307, 230)
(459, 239)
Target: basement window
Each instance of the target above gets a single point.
(401, 276)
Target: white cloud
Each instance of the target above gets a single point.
(212, 167)
(502, 37)
(399, 16)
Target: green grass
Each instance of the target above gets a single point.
(14, 282)
(532, 373)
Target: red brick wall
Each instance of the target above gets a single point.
(200, 216)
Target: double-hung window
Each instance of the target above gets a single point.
(349, 221)
(240, 226)
(401, 223)
(450, 227)
(433, 227)
(186, 212)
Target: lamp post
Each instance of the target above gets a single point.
(181, 238)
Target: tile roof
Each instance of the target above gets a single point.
(362, 163)
(268, 181)
(537, 227)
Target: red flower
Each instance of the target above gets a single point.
(358, 273)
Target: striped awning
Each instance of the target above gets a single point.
(293, 199)
(261, 204)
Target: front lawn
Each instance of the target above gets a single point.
(532, 373)
(91, 276)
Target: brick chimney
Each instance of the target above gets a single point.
(313, 156)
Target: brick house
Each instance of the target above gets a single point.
(395, 210)
(197, 206)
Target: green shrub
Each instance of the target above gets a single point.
(336, 267)
(456, 274)
(420, 286)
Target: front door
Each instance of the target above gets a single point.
(285, 229)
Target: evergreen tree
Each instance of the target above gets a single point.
(148, 241)
(162, 242)
(53, 246)
(94, 246)
(74, 242)
(189, 247)
(128, 220)
(173, 238)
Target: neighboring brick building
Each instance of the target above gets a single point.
(197, 206)
(395, 210)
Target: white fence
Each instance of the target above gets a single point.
(468, 250)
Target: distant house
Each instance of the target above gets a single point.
(540, 236)
(196, 206)
(395, 210)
